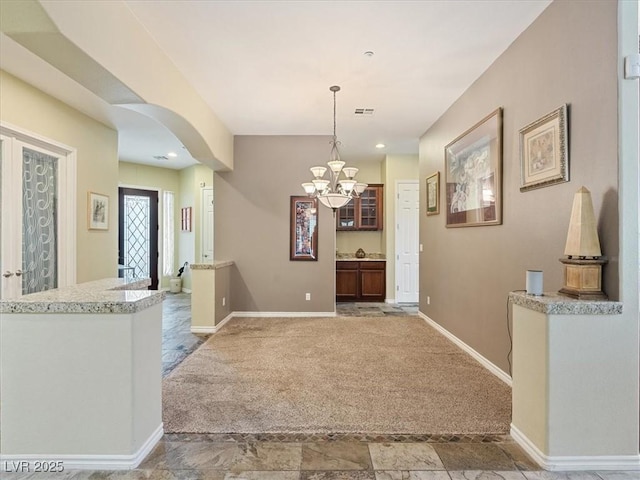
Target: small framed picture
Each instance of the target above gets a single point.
(433, 194)
(97, 211)
(544, 153)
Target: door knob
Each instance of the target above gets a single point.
(19, 272)
(7, 274)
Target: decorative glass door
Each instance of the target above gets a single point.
(32, 214)
(138, 233)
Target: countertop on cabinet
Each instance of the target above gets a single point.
(109, 295)
(211, 266)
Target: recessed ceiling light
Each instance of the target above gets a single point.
(172, 154)
(380, 145)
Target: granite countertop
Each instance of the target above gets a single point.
(109, 295)
(211, 266)
(369, 257)
(558, 304)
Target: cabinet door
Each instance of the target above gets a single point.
(346, 217)
(372, 281)
(346, 281)
(370, 208)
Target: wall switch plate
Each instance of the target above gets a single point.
(428, 300)
(420, 247)
(307, 296)
(224, 301)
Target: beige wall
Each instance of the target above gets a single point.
(192, 180)
(162, 179)
(568, 55)
(252, 226)
(394, 168)
(370, 171)
(97, 165)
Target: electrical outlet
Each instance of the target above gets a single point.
(224, 301)
(428, 300)
(307, 296)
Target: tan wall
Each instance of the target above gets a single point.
(162, 179)
(97, 165)
(568, 55)
(394, 168)
(252, 226)
(191, 180)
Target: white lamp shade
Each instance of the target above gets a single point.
(350, 172)
(336, 165)
(347, 185)
(318, 171)
(361, 187)
(309, 188)
(334, 200)
(320, 185)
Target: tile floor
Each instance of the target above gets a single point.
(317, 457)
(370, 309)
(177, 339)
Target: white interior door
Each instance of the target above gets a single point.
(207, 225)
(407, 238)
(37, 219)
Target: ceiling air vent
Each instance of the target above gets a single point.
(363, 111)
(161, 157)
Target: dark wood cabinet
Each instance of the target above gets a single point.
(364, 212)
(360, 281)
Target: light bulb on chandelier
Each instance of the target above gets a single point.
(334, 192)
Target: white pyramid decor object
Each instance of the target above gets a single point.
(582, 238)
(583, 265)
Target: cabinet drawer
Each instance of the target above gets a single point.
(347, 265)
(372, 265)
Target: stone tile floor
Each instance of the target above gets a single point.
(371, 309)
(177, 340)
(317, 457)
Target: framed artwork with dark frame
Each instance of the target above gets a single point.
(303, 228)
(97, 211)
(473, 175)
(544, 152)
(433, 194)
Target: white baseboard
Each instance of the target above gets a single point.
(575, 463)
(389, 300)
(216, 328)
(85, 462)
(213, 328)
(483, 361)
(203, 330)
(283, 314)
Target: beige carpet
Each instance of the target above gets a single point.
(333, 375)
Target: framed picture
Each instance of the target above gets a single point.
(544, 153)
(97, 211)
(185, 219)
(304, 228)
(433, 194)
(473, 175)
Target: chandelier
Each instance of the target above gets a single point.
(334, 192)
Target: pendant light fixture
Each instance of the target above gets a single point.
(334, 192)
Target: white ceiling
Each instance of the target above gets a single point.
(265, 67)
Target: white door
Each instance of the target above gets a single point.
(407, 238)
(37, 214)
(207, 225)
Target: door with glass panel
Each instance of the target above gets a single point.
(138, 233)
(32, 213)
